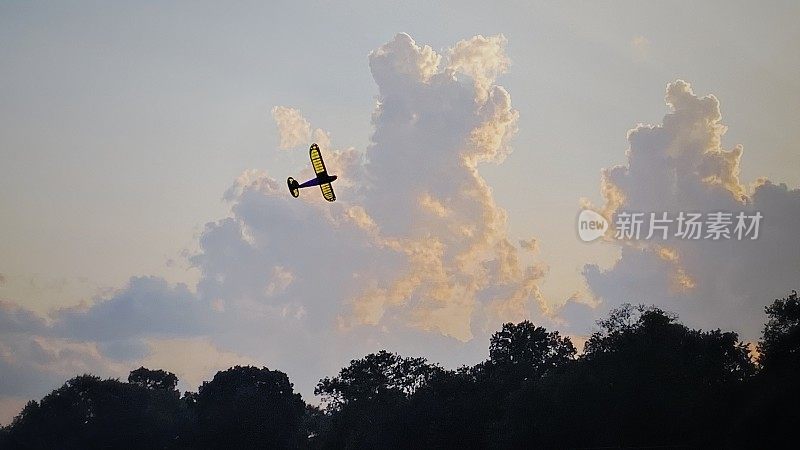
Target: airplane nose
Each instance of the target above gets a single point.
(333, 177)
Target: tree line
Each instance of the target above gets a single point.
(644, 380)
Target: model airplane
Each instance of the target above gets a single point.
(323, 180)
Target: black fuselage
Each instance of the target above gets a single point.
(320, 179)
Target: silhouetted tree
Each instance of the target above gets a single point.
(247, 407)
(88, 413)
(313, 424)
(456, 409)
(375, 377)
(367, 399)
(153, 379)
(464, 408)
(771, 410)
(779, 347)
(523, 351)
(644, 380)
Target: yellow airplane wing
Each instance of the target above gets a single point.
(316, 161)
(327, 192)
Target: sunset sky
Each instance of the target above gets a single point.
(144, 149)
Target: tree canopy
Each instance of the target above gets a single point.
(643, 380)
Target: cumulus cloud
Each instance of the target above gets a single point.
(484, 59)
(293, 129)
(413, 256)
(148, 306)
(37, 353)
(437, 119)
(16, 319)
(681, 165)
(416, 235)
(32, 363)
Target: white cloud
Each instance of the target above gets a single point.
(484, 59)
(293, 129)
(357, 275)
(414, 255)
(415, 246)
(403, 58)
(425, 193)
(681, 165)
(415, 239)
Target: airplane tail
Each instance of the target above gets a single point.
(294, 187)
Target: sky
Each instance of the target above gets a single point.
(143, 148)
